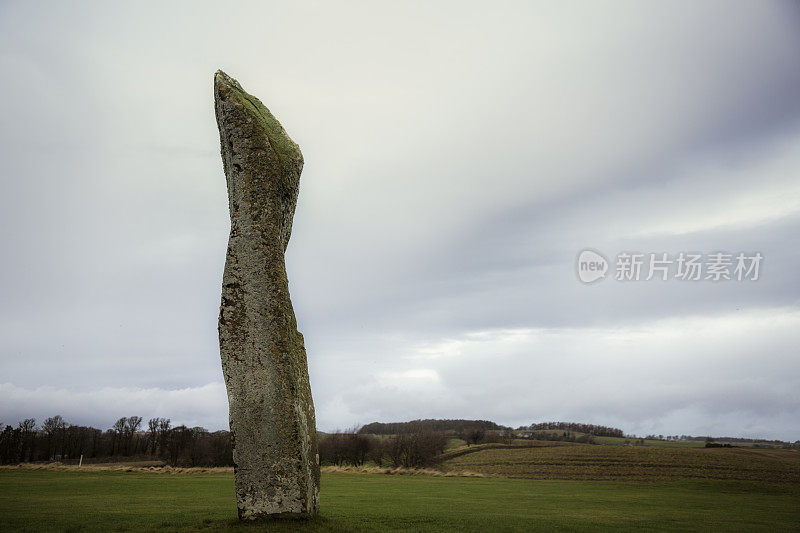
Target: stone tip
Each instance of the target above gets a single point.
(220, 78)
(223, 80)
(226, 88)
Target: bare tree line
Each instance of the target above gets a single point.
(57, 440)
(407, 444)
(590, 429)
(457, 426)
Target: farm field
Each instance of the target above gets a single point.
(652, 442)
(106, 501)
(683, 443)
(598, 439)
(592, 462)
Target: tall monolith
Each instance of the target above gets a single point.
(263, 356)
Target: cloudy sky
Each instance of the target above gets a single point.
(458, 158)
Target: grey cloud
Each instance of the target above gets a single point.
(450, 180)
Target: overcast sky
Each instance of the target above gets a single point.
(458, 158)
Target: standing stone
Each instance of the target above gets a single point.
(263, 356)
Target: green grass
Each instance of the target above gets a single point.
(117, 501)
(455, 443)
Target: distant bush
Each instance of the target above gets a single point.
(415, 447)
(345, 448)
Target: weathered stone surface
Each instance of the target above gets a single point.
(263, 355)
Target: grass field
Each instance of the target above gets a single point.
(590, 462)
(118, 501)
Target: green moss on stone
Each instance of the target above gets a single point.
(285, 148)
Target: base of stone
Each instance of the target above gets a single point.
(276, 516)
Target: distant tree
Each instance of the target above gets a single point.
(152, 435)
(197, 446)
(359, 448)
(119, 435)
(414, 448)
(27, 429)
(474, 436)
(55, 427)
(10, 443)
(132, 425)
(163, 434)
(79, 441)
(396, 450)
(178, 441)
(349, 447)
(220, 452)
(377, 451)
